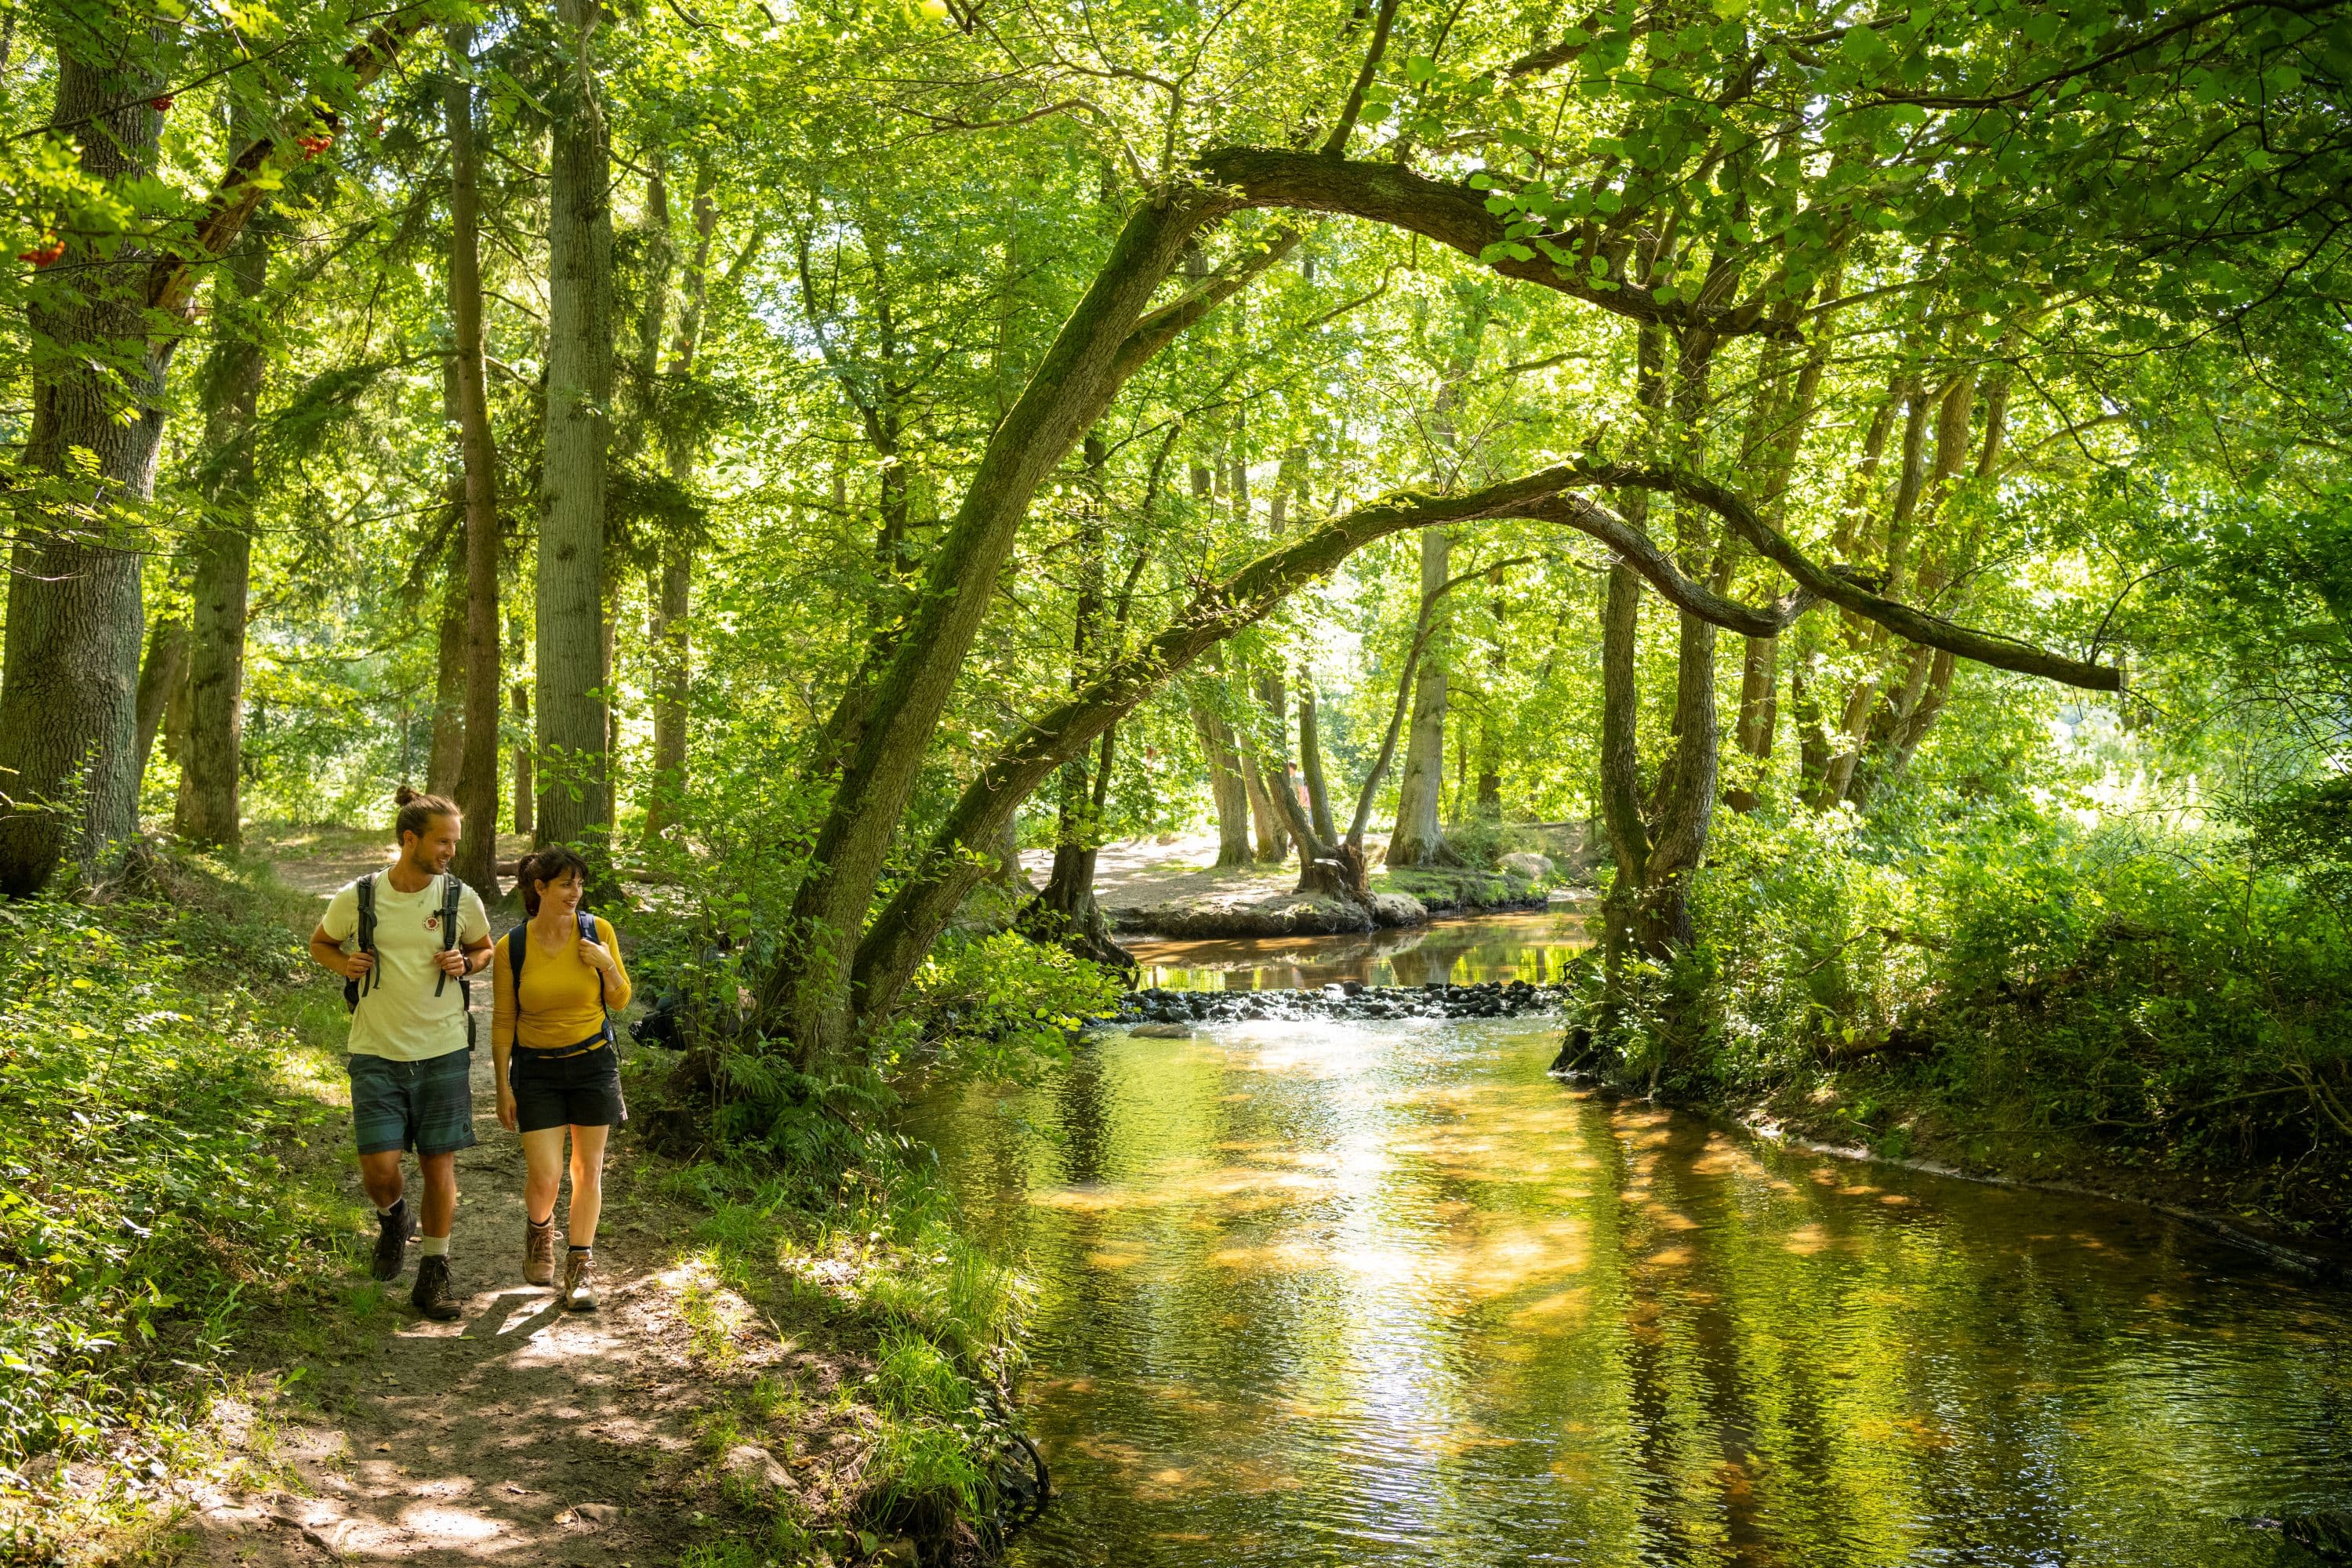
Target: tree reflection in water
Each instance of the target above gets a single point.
(1383, 1293)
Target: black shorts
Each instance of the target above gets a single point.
(553, 1089)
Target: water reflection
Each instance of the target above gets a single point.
(1534, 946)
(1370, 1294)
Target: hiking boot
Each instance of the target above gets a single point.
(580, 1282)
(538, 1252)
(391, 1243)
(432, 1297)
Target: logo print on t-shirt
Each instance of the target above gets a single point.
(433, 920)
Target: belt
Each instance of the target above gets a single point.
(595, 1042)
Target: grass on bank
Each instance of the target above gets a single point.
(922, 1327)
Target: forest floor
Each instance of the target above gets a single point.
(676, 1419)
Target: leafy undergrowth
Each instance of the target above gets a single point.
(162, 1088)
(920, 1325)
(2157, 1013)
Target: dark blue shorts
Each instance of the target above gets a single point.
(553, 1089)
(425, 1106)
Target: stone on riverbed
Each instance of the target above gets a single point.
(1161, 1013)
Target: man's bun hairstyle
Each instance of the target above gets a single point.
(417, 810)
(548, 865)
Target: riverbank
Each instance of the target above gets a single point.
(200, 1369)
(2296, 1223)
(1170, 886)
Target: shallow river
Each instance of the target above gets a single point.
(1385, 1293)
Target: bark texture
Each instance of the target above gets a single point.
(163, 681)
(210, 809)
(477, 763)
(69, 715)
(573, 765)
(1418, 839)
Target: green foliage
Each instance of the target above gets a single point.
(1003, 1006)
(881, 1261)
(2165, 996)
(155, 1090)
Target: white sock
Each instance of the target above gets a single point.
(433, 1246)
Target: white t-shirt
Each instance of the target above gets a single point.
(399, 1016)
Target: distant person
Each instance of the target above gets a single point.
(558, 980)
(404, 939)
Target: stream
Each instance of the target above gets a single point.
(1383, 1292)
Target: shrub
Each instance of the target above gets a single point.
(147, 1108)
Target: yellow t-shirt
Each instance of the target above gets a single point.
(399, 1016)
(561, 1005)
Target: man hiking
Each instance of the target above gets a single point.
(415, 933)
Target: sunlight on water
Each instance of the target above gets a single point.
(1384, 1293)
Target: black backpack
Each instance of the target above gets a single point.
(452, 892)
(518, 944)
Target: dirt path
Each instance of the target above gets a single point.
(519, 1434)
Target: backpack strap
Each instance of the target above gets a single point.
(588, 933)
(452, 891)
(364, 890)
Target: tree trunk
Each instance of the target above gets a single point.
(1006, 872)
(1663, 923)
(68, 697)
(1273, 832)
(1418, 840)
(477, 766)
(162, 678)
(525, 793)
(671, 651)
(672, 648)
(1226, 786)
(1490, 730)
(448, 743)
(1311, 759)
(574, 763)
(1066, 910)
(209, 808)
(1758, 707)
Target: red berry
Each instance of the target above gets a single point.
(41, 255)
(161, 105)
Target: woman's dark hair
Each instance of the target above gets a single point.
(417, 810)
(547, 865)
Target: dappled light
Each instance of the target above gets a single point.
(1364, 1283)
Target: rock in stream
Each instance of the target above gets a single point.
(1163, 1014)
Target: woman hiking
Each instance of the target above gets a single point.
(558, 976)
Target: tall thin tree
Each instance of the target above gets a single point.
(477, 766)
(573, 763)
